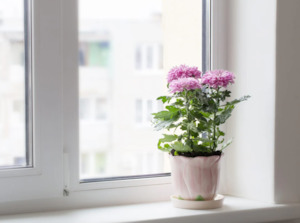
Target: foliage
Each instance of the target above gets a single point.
(193, 118)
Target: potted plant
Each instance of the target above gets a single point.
(194, 112)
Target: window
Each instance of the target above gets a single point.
(31, 119)
(58, 136)
(86, 103)
(15, 92)
(85, 109)
(101, 109)
(124, 146)
(144, 109)
(148, 57)
(139, 111)
(94, 53)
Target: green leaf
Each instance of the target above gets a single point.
(201, 148)
(226, 144)
(191, 126)
(164, 115)
(220, 132)
(180, 147)
(164, 99)
(165, 148)
(224, 94)
(224, 115)
(167, 138)
(173, 126)
(164, 124)
(244, 98)
(166, 119)
(199, 198)
(221, 141)
(198, 115)
(205, 114)
(178, 102)
(172, 109)
(167, 115)
(202, 126)
(204, 139)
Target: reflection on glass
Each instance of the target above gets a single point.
(120, 68)
(12, 84)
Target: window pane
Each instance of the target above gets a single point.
(13, 81)
(118, 43)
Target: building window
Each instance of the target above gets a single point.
(144, 109)
(139, 111)
(93, 109)
(148, 57)
(94, 53)
(101, 108)
(85, 109)
(149, 110)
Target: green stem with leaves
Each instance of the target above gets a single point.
(214, 123)
(188, 117)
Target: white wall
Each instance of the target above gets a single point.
(287, 123)
(263, 50)
(251, 38)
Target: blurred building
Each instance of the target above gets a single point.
(121, 75)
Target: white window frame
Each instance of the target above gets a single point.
(71, 124)
(44, 179)
(56, 125)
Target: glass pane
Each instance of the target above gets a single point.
(120, 68)
(13, 79)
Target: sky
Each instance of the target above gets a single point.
(118, 9)
(95, 9)
(11, 8)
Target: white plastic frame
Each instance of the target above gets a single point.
(56, 127)
(45, 178)
(71, 125)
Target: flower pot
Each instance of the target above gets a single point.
(195, 178)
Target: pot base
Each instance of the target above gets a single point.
(217, 202)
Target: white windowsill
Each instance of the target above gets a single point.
(234, 210)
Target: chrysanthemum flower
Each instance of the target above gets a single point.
(182, 84)
(218, 78)
(183, 71)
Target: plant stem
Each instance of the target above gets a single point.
(214, 123)
(188, 117)
(214, 134)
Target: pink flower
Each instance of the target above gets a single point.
(218, 78)
(183, 71)
(182, 84)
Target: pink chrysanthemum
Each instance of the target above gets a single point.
(183, 71)
(182, 84)
(217, 78)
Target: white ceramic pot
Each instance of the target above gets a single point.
(194, 178)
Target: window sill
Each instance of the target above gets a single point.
(234, 210)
